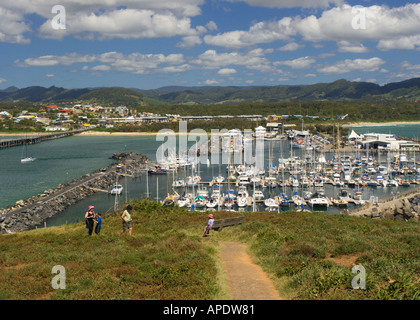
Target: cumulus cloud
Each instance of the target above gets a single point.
(299, 63)
(289, 3)
(349, 65)
(98, 19)
(352, 47)
(292, 46)
(13, 27)
(261, 32)
(189, 42)
(136, 63)
(253, 59)
(226, 71)
(392, 28)
(2, 80)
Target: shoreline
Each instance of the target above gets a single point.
(104, 133)
(380, 124)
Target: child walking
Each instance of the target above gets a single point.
(98, 224)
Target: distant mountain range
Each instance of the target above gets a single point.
(408, 90)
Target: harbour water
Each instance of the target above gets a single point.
(61, 160)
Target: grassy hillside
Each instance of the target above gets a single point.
(308, 255)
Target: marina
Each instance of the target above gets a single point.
(299, 179)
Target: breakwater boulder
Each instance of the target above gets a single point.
(33, 212)
(404, 209)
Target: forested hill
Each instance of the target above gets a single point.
(408, 90)
(102, 96)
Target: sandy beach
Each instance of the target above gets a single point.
(103, 133)
(369, 124)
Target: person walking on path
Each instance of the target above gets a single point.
(126, 220)
(208, 226)
(90, 218)
(98, 224)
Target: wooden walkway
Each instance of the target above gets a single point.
(6, 143)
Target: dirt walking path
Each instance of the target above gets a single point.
(246, 280)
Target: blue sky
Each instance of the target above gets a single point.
(148, 44)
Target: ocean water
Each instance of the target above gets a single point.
(401, 130)
(61, 160)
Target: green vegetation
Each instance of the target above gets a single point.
(308, 255)
(114, 97)
(325, 110)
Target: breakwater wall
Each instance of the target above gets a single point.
(6, 143)
(403, 207)
(27, 215)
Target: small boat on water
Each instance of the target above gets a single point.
(157, 170)
(271, 203)
(318, 201)
(178, 183)
(116, 189)
(27, 159)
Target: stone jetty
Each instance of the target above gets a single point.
(29, 214)
(404, 208)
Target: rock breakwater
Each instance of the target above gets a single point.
(403, 208)
(29, 214)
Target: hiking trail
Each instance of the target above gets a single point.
(245, 279)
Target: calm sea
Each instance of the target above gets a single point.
(406, 130)
(61, 160)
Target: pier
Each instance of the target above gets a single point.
(6, 143)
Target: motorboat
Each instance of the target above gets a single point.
(258, 195)
(212, 202)
(242, 198)
(157, 170)
(271, 203)
(27, 159)
(318, 201)
(178, 183)
(199, 202)
(116, 189)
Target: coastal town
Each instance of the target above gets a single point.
(63, 118)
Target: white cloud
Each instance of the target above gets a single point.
(211, 25)
(289, 3)
(121, 23)
(352, 47)
(349, 65)
(98, 19)
(136, 63)
(253, 59)
(2, 80)
(292, 46)
(101, 67)
(392, 28)
(12, 27)
(211, 82)
(51, 60)
(189, 42)
(261, 32)
(226, 71)
(299, 63)
(403, 43)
